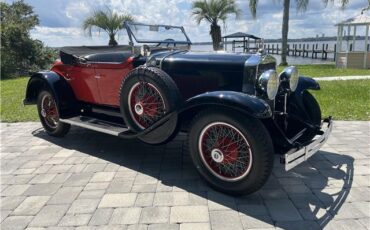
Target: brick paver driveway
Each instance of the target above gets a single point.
(94, 180)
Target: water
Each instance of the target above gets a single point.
(359, 46)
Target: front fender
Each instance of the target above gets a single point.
(58, 86)
(245, 103)
(305, 83)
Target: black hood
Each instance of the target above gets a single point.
(200, 72)
(217, 61)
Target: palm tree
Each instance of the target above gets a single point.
(107, 21)
(301, 7)
(214, 11)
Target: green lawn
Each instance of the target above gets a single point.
(12, 95)
(327, 70)
(344, 100)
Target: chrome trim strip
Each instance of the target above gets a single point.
(268, 59)
(169, 55)
(108, 63)
(253, 60)
(296, 157)
(256, 60)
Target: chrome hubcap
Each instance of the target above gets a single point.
(139, 110)
(217, 155)
(43, 113)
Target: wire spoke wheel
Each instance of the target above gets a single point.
(146, 104)
(49, 111)
(225, 151)
(233, 152)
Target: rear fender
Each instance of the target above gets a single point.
(58, 86)
(241, 102)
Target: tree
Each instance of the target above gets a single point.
(107, 21)
(214, 11)
(301, 7)
(19, 52)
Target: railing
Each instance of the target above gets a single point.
(313, 51)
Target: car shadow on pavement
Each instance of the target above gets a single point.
(307, 197)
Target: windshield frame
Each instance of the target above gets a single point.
(132, 35)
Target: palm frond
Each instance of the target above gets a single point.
(228, 7)
(253, 7)
(200, 11)
(214, 11)
(343, 2)
(106, 20)
(302, 5)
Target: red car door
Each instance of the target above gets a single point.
(83, 81)
(109, 79)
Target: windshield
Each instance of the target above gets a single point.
(157, 33)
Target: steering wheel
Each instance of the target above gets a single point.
(167, 41)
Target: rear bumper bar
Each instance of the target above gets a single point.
(296, 156)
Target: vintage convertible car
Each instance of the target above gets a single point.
(237, 110)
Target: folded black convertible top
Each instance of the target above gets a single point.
(71, 54)
(81, 51)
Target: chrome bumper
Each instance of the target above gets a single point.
(296, 156)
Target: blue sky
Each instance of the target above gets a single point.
(60, 20)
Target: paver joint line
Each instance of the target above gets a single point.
(91, 180)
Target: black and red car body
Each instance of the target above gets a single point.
(238, 112)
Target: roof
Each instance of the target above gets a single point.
(362, 19)
(241, 35)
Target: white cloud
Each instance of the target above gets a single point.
(60, 36)
(64, 26)
(74, 10)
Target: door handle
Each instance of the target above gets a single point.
(97, 76)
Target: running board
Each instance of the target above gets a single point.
(96, 125)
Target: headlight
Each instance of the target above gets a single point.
(291, 74)
(269, 82)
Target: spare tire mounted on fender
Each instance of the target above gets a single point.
(147, 95)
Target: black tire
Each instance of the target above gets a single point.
(261, 151)
(54, 128)
(166, 97)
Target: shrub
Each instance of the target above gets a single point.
(19, 52)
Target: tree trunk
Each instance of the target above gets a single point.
(285, 30)
(216, 36)
(112, 40)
